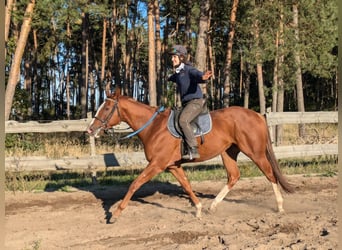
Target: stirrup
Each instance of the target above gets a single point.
(192, 153)
(186, 157)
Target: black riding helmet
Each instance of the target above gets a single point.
(180, 51)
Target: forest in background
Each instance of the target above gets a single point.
(61, 54)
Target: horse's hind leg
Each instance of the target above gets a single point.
(178, 172)
(265, 166)
(233, 174)
(278, 196)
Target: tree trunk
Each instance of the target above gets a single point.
(262, 100)
(201, 49)
(280, 80)
(280, 107)
(114, 70)
(19, 51)
(128, 64)
(275, 75)
(275, 86)
(68, 94)
(187, 34)
(242, 69)
(8, 11)
(246, 88)
(67, 84)
(28, 82)
(103, 59)
(228, 63)
(299, 82)
(85, 65)
(31, 69)
(158, 52)
(126, 55)
(212, 69)
(151, 55)
(166, 62)
(14, 25)
(244, 81)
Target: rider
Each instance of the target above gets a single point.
(187, 79)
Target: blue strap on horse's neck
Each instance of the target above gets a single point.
(161, 109)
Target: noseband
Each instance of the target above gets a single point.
(109, 116)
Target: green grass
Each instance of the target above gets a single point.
(67, 181)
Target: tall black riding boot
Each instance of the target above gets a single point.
(193, 153)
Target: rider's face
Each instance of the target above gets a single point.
(175, 60)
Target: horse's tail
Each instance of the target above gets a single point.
(287, 187)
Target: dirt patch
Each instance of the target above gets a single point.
(160, 216)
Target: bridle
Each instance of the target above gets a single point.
(105, 121)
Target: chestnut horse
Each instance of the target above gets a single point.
(234, 129)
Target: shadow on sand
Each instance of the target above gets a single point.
(111, 191)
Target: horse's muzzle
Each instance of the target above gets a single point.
(93, 132)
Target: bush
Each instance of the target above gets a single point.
(25, 142)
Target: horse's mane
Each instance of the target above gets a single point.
(136, 102)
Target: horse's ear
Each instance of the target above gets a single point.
(117, 91)
(115, 94)
(108, 93)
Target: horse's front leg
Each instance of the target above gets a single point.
(178, 172)
(147, 174)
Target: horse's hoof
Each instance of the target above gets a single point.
(117, 213)
(110, 220)
(212, 208)
(199, 210)
(113, 221)
(199, 214)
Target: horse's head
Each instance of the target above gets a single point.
(107, 115)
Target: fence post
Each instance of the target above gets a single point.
(270, 128)
(92, 153)
(91, 140)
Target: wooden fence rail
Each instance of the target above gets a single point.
(137, 158)
(279, 118)
(81, 125)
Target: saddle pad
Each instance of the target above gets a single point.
(203, 120)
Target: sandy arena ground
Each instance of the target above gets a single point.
(160, 216)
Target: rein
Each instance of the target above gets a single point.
(161, 109)
(115, 107)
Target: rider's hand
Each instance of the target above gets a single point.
(207, 75)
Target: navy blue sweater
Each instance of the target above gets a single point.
(187, 81)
